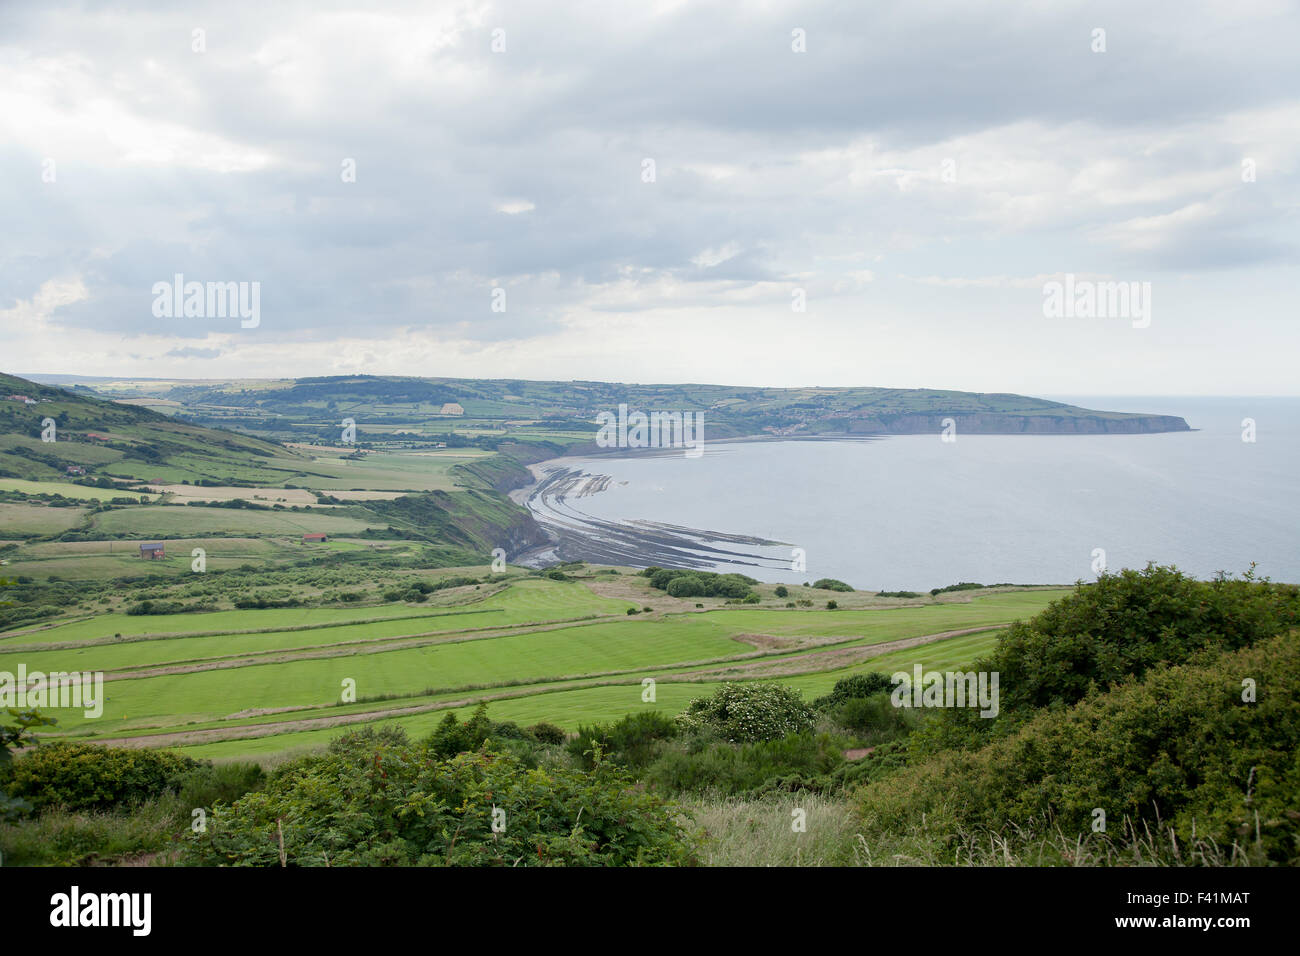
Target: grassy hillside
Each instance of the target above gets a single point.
(124, 443)
(222, 680)
(391, 410)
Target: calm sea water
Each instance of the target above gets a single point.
(913, 512)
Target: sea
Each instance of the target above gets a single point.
(913, 512)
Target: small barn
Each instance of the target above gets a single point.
(153, 551)
(76, 470)
(314, 537)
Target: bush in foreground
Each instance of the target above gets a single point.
(80, 776)
(1112, 631)
(1179, 749)
(375, 799)
(632, 741)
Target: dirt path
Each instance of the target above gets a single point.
(805, 663)
(835, 658)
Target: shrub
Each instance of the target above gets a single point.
(1179, 746)
(961, 586)
(79, 776)
(855, 687)
(545, 733)
(781, 591)
(797, 761)
(452, 737)
(210, 784)
(1124, 624)
(875, 719)
(749, 712)
(681, 583)
(832, 605)
(632, 741)
(831, 584)
(456, 581)
(377, 800)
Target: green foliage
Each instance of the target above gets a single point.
(831, 584)
(163, 607)
(874, 719)
(15, 738)
(79, 776)
(453, 737)
(679, 583)
(377, 800)
(832, 605)
(745, 712)
(1180, 746)
(19, 735)
(1128, 622)
(546, 733)
(899, 594)
(781, 591)
(209, 784)
(961, 586)
(632, 741)
(87, 838)
(854, 687)
(1110, 631)
(799, 761)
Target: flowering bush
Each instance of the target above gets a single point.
(749, 712)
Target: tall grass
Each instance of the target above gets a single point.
(741, 832)
(757, 832)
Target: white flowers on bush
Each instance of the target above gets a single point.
(749, 712)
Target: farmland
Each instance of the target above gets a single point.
(257, 591)
(262, 682)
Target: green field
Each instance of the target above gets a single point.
(537, 649)
(68, 490)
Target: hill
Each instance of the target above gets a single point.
(416, 408)
(124, 443)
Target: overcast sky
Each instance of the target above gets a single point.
(920, 171)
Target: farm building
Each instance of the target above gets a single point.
(453, 408)
(314, 537)
(76, 470)
(153, 551)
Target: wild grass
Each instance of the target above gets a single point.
(758, 832)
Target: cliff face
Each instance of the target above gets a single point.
(997, 424)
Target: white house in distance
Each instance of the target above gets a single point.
(452, 408)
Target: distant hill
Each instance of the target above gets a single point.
(279, 406)
(116, 441)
